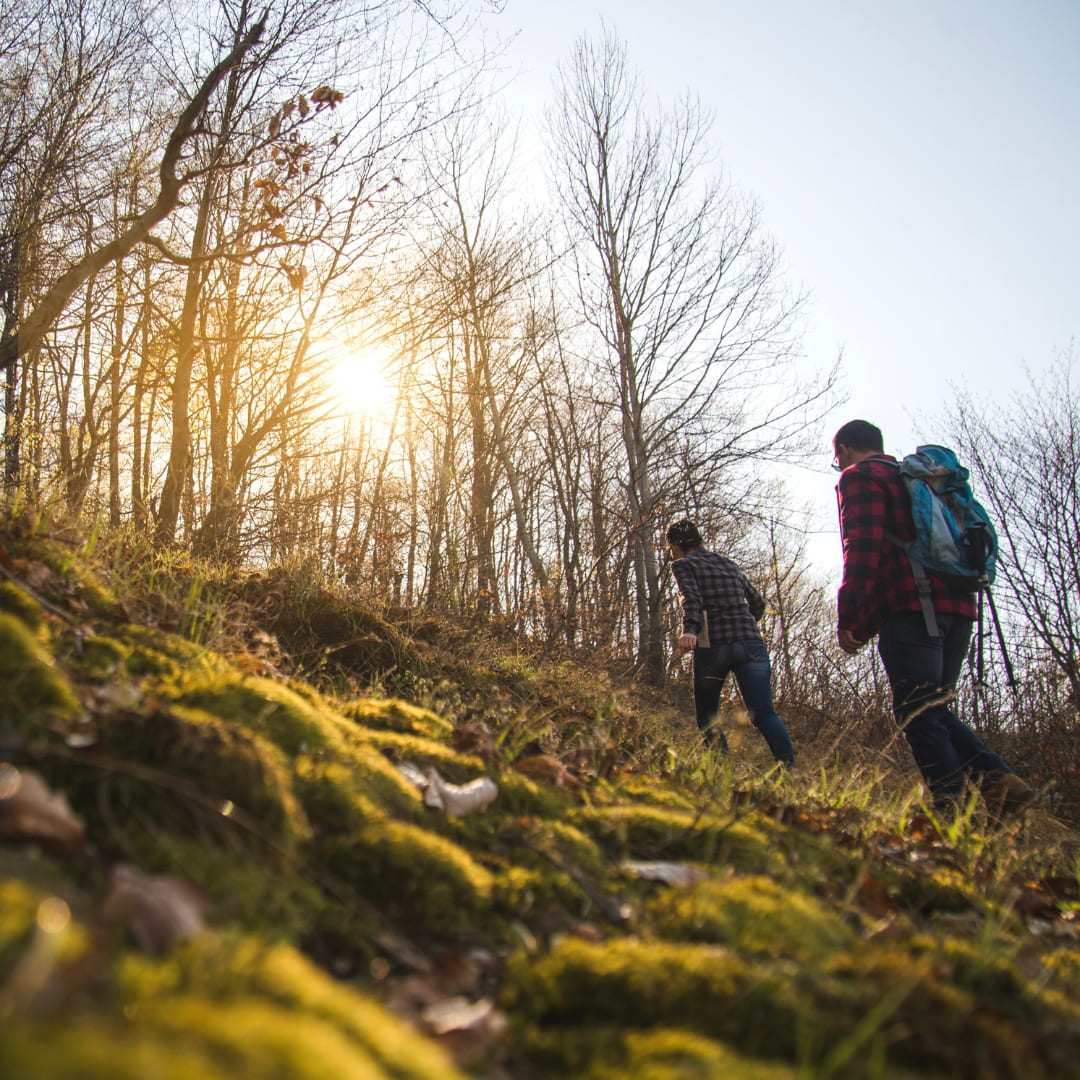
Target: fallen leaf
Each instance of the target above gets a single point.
(548, 770)
(31, 811)
(670, 873)
(476, 738)
(159, 912)
(457, 800)
(37, 574)
(413, 773)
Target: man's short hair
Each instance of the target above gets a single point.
(684, 533)
(860, 435)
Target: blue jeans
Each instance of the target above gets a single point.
(754, 677)
(922, 669)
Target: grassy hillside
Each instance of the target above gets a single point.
(236, 841)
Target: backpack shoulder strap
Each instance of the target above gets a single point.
(922, 579)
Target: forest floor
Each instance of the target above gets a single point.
(252, 828)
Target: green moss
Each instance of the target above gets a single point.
(668, 1054)
(22, 605)
(517, 891)
(940, 889)
(268, 896)
(652, 832)
(268, 709)
(327, 630)
(425, 753)
(100, 657)
(754, 915)
(652, 790)
(934, 1024)
(93, 1049)
(536, 841)
(258, 1039)
(541, 864)
(340, 798)
(259, 987)
(868, 1003)
(520, 795)
(166, 657)
(391, 714)
(659, 1054)
(17, 907)
(202, 759)
(993, 978)
(422, 879)
(1064, 965)
(192, 1039)
(31, 685)
(24, 943)
(285, 977)
(646, 984)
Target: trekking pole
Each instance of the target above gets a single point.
(979, 668)
(978, 548)
(1010, 676)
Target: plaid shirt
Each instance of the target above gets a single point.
(712, 584)
(878, 579)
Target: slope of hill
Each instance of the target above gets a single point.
(213, 865)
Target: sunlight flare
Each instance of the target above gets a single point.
(360, 378)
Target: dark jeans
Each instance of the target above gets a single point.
(754, 677)
(921, 671)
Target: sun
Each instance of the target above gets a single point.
(361, 379)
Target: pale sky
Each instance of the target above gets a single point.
(917, 163)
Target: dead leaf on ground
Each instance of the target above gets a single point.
(475, 737)
(545, 769)
(457, 800)
(37, 574)
(467, 1030)
(670, 873)
(31, 811)
(159, 912)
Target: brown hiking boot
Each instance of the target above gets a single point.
(1006, 797)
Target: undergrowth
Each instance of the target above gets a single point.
(629, 905)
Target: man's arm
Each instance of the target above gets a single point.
(863, 525)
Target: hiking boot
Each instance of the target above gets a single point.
(1006, 797)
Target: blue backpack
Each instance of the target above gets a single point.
(954, 537)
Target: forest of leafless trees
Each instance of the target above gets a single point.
(209, 211)
(206, 212)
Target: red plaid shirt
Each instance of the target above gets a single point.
(878, 579)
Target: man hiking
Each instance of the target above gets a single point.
(880, 595)
(720, 611)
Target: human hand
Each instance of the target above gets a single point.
(848, 641)
(687, 643)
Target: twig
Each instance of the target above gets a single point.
(52, 609)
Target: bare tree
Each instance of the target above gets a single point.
(66, 68)
(171, 181)
(1025, 461)
(683, 293)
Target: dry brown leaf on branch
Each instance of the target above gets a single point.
(159, 912)
(31, 811)
(327, 95)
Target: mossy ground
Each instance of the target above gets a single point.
(834, 930)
